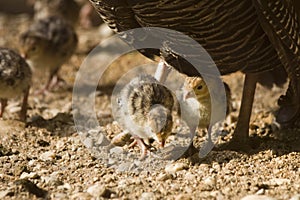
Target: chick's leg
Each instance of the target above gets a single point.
(3, 105)
(52, 81)
(24, 106)
(162, 71)
(141, 144)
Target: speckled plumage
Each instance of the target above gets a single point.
(146, 109)
(47, 44)
(15, 79)
(66, 9)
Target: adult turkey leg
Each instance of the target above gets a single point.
(240, 140)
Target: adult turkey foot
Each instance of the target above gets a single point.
(289, 111)
(240, 140)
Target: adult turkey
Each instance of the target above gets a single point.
(258, 37)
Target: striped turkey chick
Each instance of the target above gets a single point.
(47, 45)
(15, 79)
(146, 111)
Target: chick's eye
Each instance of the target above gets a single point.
(199, 87)
(33, 49)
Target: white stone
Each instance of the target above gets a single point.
(26, 175)
(279, 181)
(147, 196)
(175, 167)
(81, 195)
(59, 144)
(210, 181)
(88, 142)
(65, 186)
(163, 177)
(296, 197)
(116, 150)
(257, 197)
(260, 192)
(3, 193)
(96, 190)
(48, 156)
(189, 176)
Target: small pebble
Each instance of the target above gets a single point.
(123, 183)
(209, 183)
(126, 166)
(3, 193)
(260, 192)
(31, 175)
(218, 195)
(147, 196)
(58, 196)
(189, 176)
(183, 197)
(13, 108)
(59, 144)
(88, 142)
(279, 181)
(81, 196)
(98, 190)
(111, 161)
(164, 177)
(296, 197)
(116, 150)
(48, 156)
(65, 186)
(52, 179)
(175, 167)
(257, 197)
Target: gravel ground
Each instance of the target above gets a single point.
(46, 158)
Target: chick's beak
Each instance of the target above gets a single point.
(187, 94)
(24, 55)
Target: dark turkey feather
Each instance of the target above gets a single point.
(229, 30)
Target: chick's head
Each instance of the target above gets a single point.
(32, 47)
(196, 86)
(160, 123)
